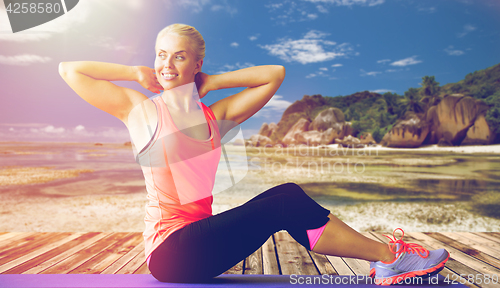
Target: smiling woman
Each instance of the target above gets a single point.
(184, 241)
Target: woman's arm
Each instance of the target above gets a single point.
(262, 83)
(91, 81)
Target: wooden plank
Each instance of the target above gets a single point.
(479, 243)
(357, 267)
(16, 241)
(56, 255)
(236, 269)
(269, 258)
(134, 264)
(253, 263)
(322, 264)
(82, 256)
(339, 265)
(466, 249)
(470, 264)
(42, 249)
(8, 235)
(120, 263)
(28, 245)
(487, 236)
(143, 269)
(452, 269)
(293, 257)
(108, 256)
(481, 240)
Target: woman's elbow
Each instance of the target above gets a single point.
(63, 69)
(280, 73)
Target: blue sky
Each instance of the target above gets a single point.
(328, 47)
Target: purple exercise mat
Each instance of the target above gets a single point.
(226, 280)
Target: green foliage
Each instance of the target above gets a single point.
(378, 134)
(493, 115)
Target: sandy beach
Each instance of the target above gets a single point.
(83, 187)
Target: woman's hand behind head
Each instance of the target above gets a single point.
(147, 78)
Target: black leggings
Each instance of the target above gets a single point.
(207, 248)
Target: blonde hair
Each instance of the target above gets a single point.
(183, 30)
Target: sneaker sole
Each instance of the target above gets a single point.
(402, 277)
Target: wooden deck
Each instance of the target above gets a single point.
(474, 254)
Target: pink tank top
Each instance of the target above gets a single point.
(179, 173)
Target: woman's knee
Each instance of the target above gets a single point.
(292, 187)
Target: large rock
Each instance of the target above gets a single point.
(407, 133)
(367, 138)
(479, 133)
(258, 140)
(268, 129)
(301, 126)
(459, 120)
(331, 117)
(350, 142)
(328, 125)
(315, 137)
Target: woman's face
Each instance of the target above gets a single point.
(175, 62)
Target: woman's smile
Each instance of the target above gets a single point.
(175, 62)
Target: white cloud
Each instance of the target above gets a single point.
(234, 44)
(277, 103)
(226, 7)
(275, 5)
(195, 5)
(427, 9)
(407, 61)
(315, 34)
(322, 9)
(311, 75)
(312, 16)
(79, 128)
(381, 91)
(453, 52)
(337, 65)
(111, 44)
(254, 37)
(52, 129)
(467, 29)
(372, 73)
(23, 60)
(310, 49)
(323, 69)
(227, 67)
(349, 2)
(48, 132)
(76, 16)
(384, 61)
(274, 107)
(198, 6)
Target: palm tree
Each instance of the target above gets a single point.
(430, 91)
(411, 102)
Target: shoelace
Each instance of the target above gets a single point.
(406, 247)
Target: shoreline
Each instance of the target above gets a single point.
(468, 149)
(495, 148)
